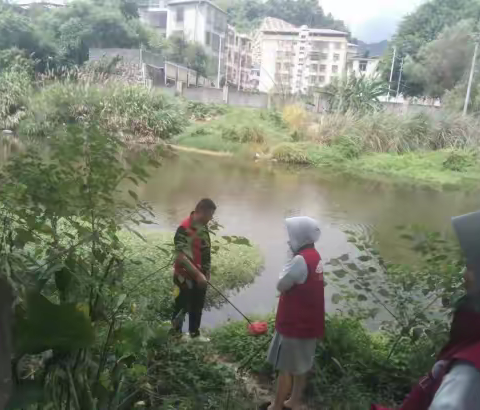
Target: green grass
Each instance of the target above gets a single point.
(350, 372)
(361, 147)
(240, 130)
(444, 169)
(233, 267)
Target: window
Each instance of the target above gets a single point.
(321, 79)
(208, 37)
(314, 67)
(320, 45)
(315, 57)
(287, 66)
(336, 57)
(302, 48)
(215, 42)
(278, 78)
(335, 69)
(180, 11)
(338, 46)
(323, 56)
(323, 68)
(313, 79)
(278, 66)
(363, 65)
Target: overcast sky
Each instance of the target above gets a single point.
(370, 20)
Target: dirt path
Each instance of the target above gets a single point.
(200, 151)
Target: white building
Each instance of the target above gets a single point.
(238, 58)
(200, 21)
(298, 59)
(363, 66)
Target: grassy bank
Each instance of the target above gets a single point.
(415, 149)
(438, 150)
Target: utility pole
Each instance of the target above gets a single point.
(391, 71)
(239, 76)
(219, 60)
(399, 80)
(470, 79)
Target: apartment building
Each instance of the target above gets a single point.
(238, 59)
(298, 59)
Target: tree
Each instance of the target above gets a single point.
(442, 63)
(17, 31)
(61, 37)
(247, 14)
(423, 26)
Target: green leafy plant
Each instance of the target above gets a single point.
(355, 94)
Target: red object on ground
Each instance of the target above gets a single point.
(258, 328)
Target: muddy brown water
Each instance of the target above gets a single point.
(254, 199)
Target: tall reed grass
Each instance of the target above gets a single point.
(398, 133)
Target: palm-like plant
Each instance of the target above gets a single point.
(355, 94)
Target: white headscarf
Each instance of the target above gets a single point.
(302, 231)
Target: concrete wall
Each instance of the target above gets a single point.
(247, 99)
(205, 95)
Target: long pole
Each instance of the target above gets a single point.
(219, 60)
(239, 63)
(399, 80)
(470, 79)
(391, 71)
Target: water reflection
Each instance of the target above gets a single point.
(254, 199)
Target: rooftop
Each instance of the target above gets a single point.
(272, 24)
(180, 2)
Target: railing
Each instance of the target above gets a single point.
(151, 4)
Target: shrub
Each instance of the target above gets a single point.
(291, 153)
(201, 111)
(243, 135)
(294, 116)
(15, 86)
(459, 160)
(131, 111)
(349, 146)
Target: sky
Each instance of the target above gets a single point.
(370, 20)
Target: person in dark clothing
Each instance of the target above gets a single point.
(192, 268)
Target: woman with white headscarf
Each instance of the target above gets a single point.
(300, 316)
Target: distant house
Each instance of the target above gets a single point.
(199, 21)
(363, 66)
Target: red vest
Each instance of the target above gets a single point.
(194, 252)
(422, 395)
(301, 309)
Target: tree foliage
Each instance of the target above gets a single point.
(423, 26)
(247, 14)
(440, 64)
(62, 36)
(354, 94)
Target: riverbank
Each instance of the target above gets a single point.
(313, 142)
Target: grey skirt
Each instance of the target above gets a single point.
(291, 355)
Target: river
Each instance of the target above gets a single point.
(254, 199)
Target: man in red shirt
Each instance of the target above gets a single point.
(192, 267)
